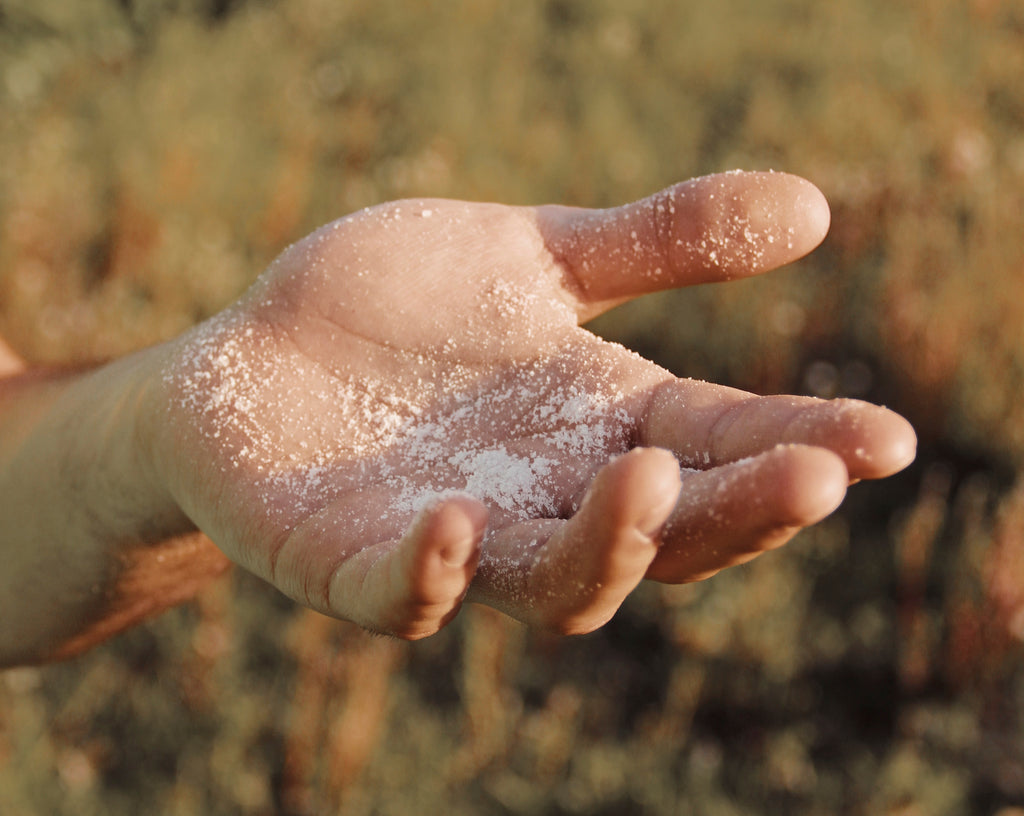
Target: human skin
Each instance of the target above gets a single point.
(403, 413)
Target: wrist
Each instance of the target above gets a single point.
(141, 439)
(92, 450)
(83, 504)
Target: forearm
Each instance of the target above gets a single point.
(91, 541)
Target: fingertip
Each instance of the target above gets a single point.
(640, 489)
(729, 514)
(788, 212)
(426, 585)
(659, 487)
(896, 444)
(811, 483)
(741, 223)
(466, 511)
(713, 228)
(873, 441)
(817, 213)
(459, 522)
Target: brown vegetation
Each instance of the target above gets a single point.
(157, 153)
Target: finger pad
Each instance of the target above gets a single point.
(777, 217)
(809, 483)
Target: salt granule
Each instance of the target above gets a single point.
(511, 442)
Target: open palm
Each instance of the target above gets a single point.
(404, 412)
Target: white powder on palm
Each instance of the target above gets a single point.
(520, 442)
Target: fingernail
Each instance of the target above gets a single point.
(458, 554)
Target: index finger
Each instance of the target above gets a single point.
(712, 228)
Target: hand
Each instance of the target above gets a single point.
(403, 412)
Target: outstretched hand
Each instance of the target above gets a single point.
(403, 412)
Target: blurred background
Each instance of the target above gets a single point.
(156, 154)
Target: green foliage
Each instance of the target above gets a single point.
(157, 153)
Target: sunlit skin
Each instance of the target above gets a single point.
(404, 414)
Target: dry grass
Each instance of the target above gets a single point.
(157, 154)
